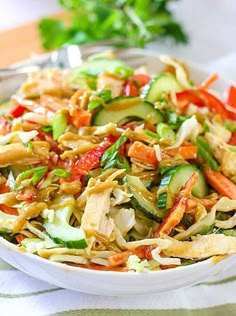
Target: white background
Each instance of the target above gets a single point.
(211, 25)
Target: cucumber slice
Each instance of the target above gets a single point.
(174, 179)
(27, 241)
(141, 201)
(60, 230)
(163, 83)
(144, 110)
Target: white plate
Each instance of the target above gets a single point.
(118, 283)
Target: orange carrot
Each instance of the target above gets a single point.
(4, 188)
(187, 152)
(209, 81)
(8, 210)
(119, 258)
(166, 267)
(178, 209)
(20, 237)
(193, 202)
(143, 153)
(99, 268)
(151, 127)
(79, 117)
(221, 183)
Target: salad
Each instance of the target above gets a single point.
(107, 167)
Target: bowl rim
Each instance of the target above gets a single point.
(192, 66)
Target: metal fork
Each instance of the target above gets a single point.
(69, 56)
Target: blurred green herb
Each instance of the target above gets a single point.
(139, 21)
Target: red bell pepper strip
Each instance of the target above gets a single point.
(26, 194)
(216, 106)
(134, 83)
(176, 213)
(91, 159)
(232, 140)
(18, 111)
(202, 98)
(231, 100)
(187, 97)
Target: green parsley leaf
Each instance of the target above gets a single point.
(136, 21)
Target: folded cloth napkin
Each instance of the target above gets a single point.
(23, 295)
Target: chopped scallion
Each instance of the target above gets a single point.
(103, 96)
(36, 174)
(61, 173)
(111, 150)
(152, 134)
(47, 129)
(205, 152)
(164, 131)
(59, 124)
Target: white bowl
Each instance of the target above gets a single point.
(118, 283)
(107, 282)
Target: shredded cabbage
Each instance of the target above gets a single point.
(189, 130)
(24, 137)
(124, 219)
(181, 73)
(136, 264)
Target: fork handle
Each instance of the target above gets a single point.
(7, 72)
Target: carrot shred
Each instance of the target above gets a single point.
(79, 117)
(20, 237)
(4, 188)
(166, 267)
(178, 209)
(187, 152)
(119, 258)
(143, 153)
(209, 81)
(150, 127)
(221, 183)
(193, 202)
(8, 210)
